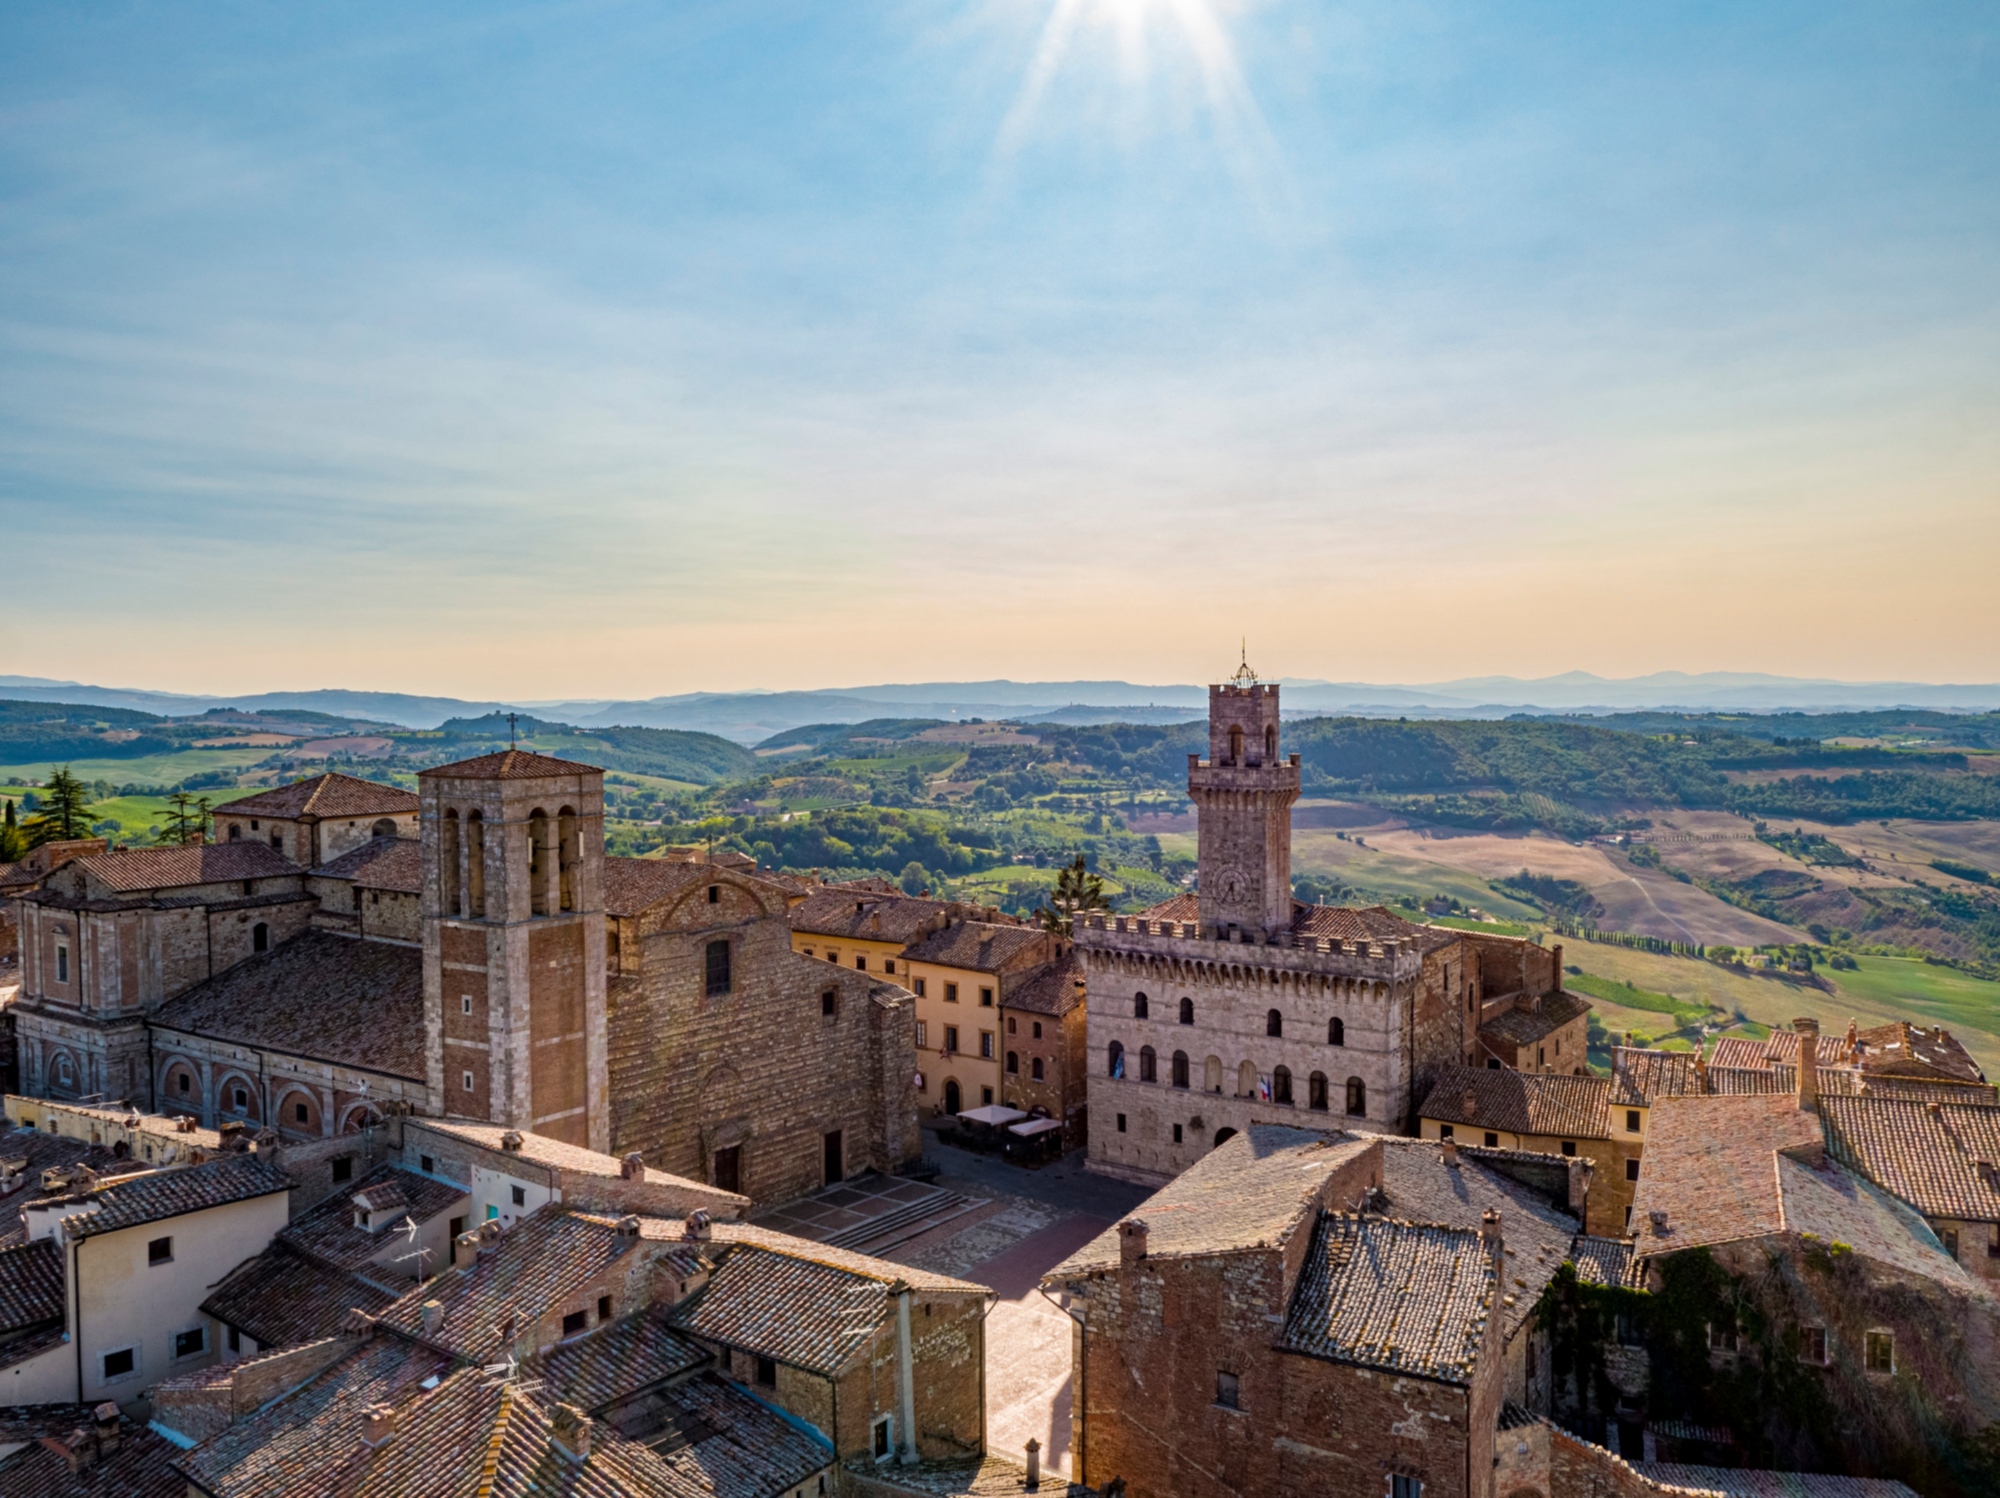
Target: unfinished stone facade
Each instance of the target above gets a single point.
(734, 1059)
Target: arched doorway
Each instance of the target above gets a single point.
(951, 1097)
(1223, 1136)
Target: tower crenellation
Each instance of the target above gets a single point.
(1243, 794)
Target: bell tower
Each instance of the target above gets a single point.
(514, 967)
(1243, 793)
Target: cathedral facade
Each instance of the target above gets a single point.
(1238, 1004)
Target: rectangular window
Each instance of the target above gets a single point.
(1949, 1238)
(1632, 1169)
(603, 1308)
(1445, 1131)
(62, 963)
(718, 968)
(465, 1003)
(888, 964)
(1228, 1390)
(121, 1364)
(235, 1340)
(881, 1441)
(1121, 1123)
(986, 1097)
(1405, 1487)
(1177, 1133)
(951, 1037)
(951, 993)
(299, 1112)
(1038, 1029)
(1631, 1120)
(465, 1080)
(426, 1164)
(160, 1251)
(1881, 1352)
(861, 964)
(767, 1373)
(1569, 1146)
(829, 1003)
(985, 998)
(920, 988)
(1492, 1140)
(1012, 1028)
(1812, 1345)
(191, 1344)
(343, 1169)
(575, 1322)
(923, 1035)
(520, 1196)
(1541, 1055)
(986, 1045)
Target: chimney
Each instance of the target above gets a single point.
(231, 1132)
(432, 1314)
(570, 1429)
(1451, 1153)
(633, 1166)
(1808, 1033)
(1701, 1073)
(1131, 1241)
(1489, 1232)
(467, 1244)
(1853, 1042)
(79, 1449)
(1559, 967)
(1579, 1183)
(627, 1233)
(698, 1227)
(511, 1141)
(106, 1415)
(490, 1233)
(378, 1424)
(1034, 1464)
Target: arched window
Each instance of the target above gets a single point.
(951, 1096)
(538, 861)
(1036, 1069)
(65, 1071)
(1149, 1065)
(1281, 1085)
(1139, 1005)
(1235, 744)
(1114, 1060)
(1274, 1022)
(1246, 1079)
(1224, 1135)
(1211, 1074)
(260, 937)
(1187, 1011)
(1014, 1063)
(1270, 742)
(383, 828)
(717, 968)
(1316, 1091)
(567, 857)
(447, 863)
(1357, 1097)
(475, 865)
(235, 832)
(1180, 1069)
(1336, 1032)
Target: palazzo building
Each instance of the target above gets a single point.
(1239, 1004)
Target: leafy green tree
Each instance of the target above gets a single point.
(62, 812)
(1077, 891)
(187, 819)
(916, 878)
(13, 842)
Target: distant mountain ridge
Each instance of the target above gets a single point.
(750, 717)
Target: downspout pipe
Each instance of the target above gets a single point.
(906, 1383)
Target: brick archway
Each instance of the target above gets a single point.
(288, 1114)
(359, 1116)
(251, 1107)
(180, 1086)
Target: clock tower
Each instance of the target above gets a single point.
(1243, 793)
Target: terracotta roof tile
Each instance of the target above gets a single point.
(796, 1311)
(327, 1231)
(574, 1159)
(1708, 1166)
(1752, 1482)
(1248, 1192)
(1638, 1076)
(1520, 1102)
(328, 795)
(1396, 1295)
(283, 1298)
(321, 996)
(614, 1362)
(130, 870)
(509, 764)
(719, 1439)
(32, 1286)
(979, 946)
(842, 911)
(157, 1195)
(1606, 1261)
(1524, 1025)
(137, 1469)
(634, 885)
(1056, 989)
(1930, 1155)
(395, 863)
(862, 1265)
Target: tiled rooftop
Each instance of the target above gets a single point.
(45, 1151)
(1395, 1295)
(1606, 1261)
(571, 1159)
(1709, 1167)
(1520, 1102)
(327, 1231)
(31, 1286)
(1751, 1482)
(321, 996)
(1638, 1076)
(614, 1362)
(1827, 1201)
(1525, 1024)
(1249, 1192)
(133, 870)
(391, 863)
(1419, 1187)
(509, 764)
(863, 1265)
(842, 911)
(159, 1194)
(718, 1438)
(809, 1315)
(328, 795)
(978, 946)
(1929, 1154)
(283, 1298)
(137, 1469)
(1056, 989)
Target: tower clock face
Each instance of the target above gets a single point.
(1231, 885)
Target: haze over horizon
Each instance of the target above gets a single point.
(584, 350)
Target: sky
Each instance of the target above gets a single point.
(621, 349)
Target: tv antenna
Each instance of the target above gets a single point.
(417, 1251)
